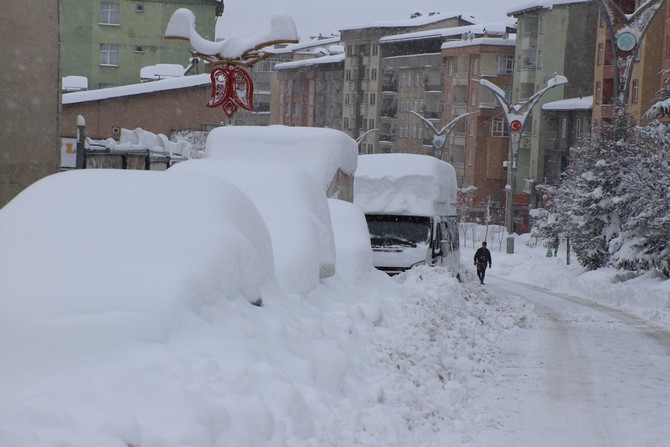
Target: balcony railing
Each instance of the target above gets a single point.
(390, 87)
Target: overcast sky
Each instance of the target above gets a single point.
(246, 17)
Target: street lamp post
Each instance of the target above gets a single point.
(440, 136)
(516, 115)
(626, 32)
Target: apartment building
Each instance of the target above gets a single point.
(552, 38)
(645, 80)
(479, 144)
(310, 91)
(362, 69)
(109, 42)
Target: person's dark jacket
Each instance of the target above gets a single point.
(483, 256)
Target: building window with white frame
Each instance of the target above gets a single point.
(635, 90)
(505, 64)
(109, 13)
(499, 127)
(578, 127)
(109, 54)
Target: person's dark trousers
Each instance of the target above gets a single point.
(481, 272)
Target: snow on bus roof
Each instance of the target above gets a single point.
(405, 183)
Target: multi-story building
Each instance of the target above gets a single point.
(645, 80)
(552, 38)
(310, 91)
(479, 144)
(568, 121)
(362, 69)
(30, 102)
(109, 42)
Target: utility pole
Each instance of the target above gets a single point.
(516, 115)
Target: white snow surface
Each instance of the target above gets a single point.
(320, 152)
(413, 184)
(125, 320)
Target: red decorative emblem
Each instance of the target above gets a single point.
(232, 88)
(515, 126)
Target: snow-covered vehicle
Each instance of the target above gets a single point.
(409, 201)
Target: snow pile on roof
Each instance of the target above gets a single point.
(541, 4)
(583, 103)
(494, 28)
(74, 83)
(509, 40)
(423, 19)
(161, 71)
(405, 183)
(320, 152)
(137, 89)
(332, 59)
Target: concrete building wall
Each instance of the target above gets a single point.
(29, 95)
(139, 36)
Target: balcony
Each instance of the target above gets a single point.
(433, 88)
(388, 113)
(390, 87)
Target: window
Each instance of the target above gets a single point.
(563, 128)
(139, 7)
(635, 91)
(375, 49)
(505, 64)
(600, 58)
(475, 66)
(578, 127)
(139, 49)
(109, 13)
(473, 97)
(469, 157)
(539, 58)
(109, 54)
(499, 128)
(598, 93)
(540, 25)
(471, 130)
(373, 99)
(373, 74)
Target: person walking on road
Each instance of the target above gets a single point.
(482, 258)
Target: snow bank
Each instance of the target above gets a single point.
(293, 207)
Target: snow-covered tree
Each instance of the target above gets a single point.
(614, 201)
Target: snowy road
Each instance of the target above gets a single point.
(579, 375)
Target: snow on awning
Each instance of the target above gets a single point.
(583, 103)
